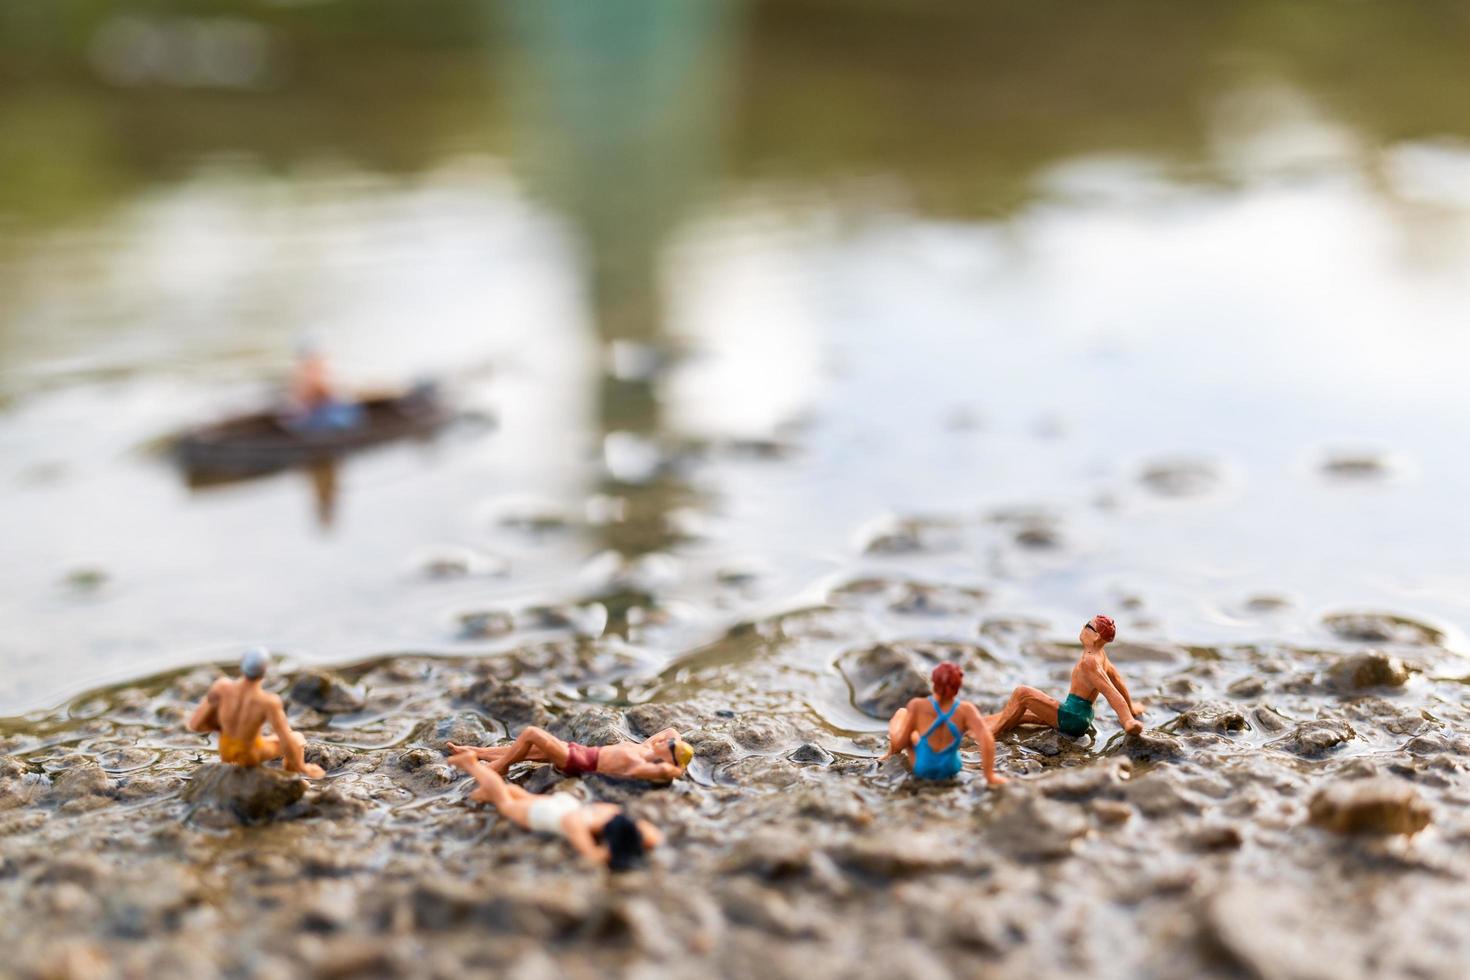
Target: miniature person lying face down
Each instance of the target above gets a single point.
(1093, 675)
(928, 731)
(661, 758)
(601, 832)
(238, 709)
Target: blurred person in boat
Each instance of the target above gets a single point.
(312, 404)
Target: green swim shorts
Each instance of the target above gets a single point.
(1074, 716)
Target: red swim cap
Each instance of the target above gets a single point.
(1105, 627)
(947, 678)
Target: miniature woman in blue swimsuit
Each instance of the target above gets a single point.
(932, 753)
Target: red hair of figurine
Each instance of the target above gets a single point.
(947, 678)
(1105, 627)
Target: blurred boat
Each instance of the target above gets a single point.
(264, 442)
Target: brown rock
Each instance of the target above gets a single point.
(1380, 805)
(251, 794)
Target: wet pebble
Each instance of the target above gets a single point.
(883, 678)
(326, 692)
(591, 725)
(250, 794)
(79, 777)
(1361, 671)
(1369, 627)
(1380, 806)
(328, 755)
(485, 625)
(1180, 477)
(1312, 739)
(511, 704)
(1213, 716)
(810, 754)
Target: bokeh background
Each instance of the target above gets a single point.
(1155, 309)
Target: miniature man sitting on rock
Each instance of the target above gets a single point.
(238, 709)
(914, 731)
(661, 758)
(1093, 675)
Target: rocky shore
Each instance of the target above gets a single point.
(1290, 813)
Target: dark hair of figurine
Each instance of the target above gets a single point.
(624, 843)
(947, 678)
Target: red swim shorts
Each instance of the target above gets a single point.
(581, 759)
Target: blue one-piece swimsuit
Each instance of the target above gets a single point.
(930, 763)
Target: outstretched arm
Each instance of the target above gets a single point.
(980, 732)
(206, 717)
(1105, 687)
(1117, 680)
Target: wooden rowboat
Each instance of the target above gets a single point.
(263, 442)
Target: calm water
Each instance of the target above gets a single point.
(1043, 301)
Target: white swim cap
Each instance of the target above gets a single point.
(253, 664)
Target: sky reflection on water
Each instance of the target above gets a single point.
(756, 369)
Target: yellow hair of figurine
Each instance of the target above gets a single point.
(683, 753)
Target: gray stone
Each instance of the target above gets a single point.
(511, 704)
(251, 794)
(1312, 739)
(326, 693)
(883, 678)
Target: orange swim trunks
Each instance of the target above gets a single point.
(240, 752)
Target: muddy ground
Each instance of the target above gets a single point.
(792, 853)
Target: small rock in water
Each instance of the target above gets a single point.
(1379, 805)
(809, 753)
(1314, 738)
(1381, 628)
(591, 725)
(883, 678)
(1356, 466)
(1366, 670)
(1180, 477)
(485, 625)
(511, 704)
(251, 794)
(326, 693)
(79, 779)
(1213, 716)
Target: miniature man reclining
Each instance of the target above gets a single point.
(661, 758)
(914, 731)
(1093, 675)
(238, 709)
(601, 832)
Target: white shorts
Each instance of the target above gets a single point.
(546, 813)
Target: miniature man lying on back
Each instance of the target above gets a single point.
(238, 709)
(1093, 675)
(661, 758)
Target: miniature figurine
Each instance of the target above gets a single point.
(930, 753)
(601, 832)
(237, 709)
(1093, 675)
(661, 758)
(313, 404)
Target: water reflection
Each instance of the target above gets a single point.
(750, 285)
